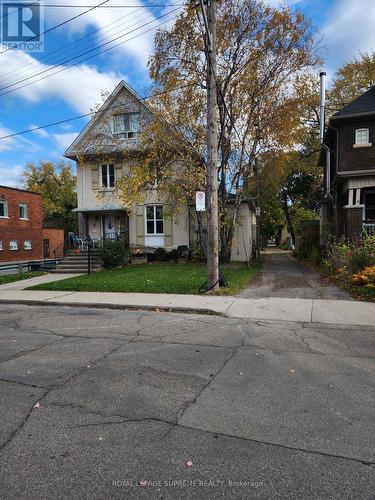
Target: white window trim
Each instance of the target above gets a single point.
(107, 188)
(13, 249)
(366, 144)
(1, 245)
(6, 216)
(27, 211)
(154, 205)
(24, 245)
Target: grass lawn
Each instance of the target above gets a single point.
(17, 277)
(156, 278)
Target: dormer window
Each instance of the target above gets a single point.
(362, 137)
(127, 124)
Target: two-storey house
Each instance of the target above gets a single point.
(349, 205)
(103, 153)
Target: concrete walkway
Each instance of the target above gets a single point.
(38, 280)
(340, 312)
(285, 277)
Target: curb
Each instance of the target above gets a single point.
(127, 307)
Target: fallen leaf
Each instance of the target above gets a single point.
(37, 405)
(241, 374)
(292, 371)
(189, 463)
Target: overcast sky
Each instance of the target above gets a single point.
(345, 28)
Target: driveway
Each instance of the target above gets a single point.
(127, 404)
(285, 277)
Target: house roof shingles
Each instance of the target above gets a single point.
(363, 105)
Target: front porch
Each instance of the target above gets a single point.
(359, 207)
(104, 222)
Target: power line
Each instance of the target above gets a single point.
(92, 113)
(59, 25)
(84, 53)
(112, 6)
(74, 42)
(11, 81)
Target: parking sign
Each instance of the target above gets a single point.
(200, 201)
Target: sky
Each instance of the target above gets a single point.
(74, 85)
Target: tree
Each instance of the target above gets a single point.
(261, 54)
(352, 80)
(56, 184)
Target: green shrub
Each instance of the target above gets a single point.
(160, 254)
(113, 254)
(173, 255)
(315, 255)
(350, 257)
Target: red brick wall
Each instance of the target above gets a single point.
(56, 240)
(13, 228)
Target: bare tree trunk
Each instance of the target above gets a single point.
(288, 218)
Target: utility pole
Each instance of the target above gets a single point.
(209, 15)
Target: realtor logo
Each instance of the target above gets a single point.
(21, 26)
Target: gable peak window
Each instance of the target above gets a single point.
(108, 176)
(127, 124)
(23, 211)
(3, 208)
(362, 137)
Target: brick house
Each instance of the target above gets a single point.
(349, 165)
(22, 236)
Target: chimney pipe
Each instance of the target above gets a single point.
(322, 105)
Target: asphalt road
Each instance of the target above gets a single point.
(285, 277)
(125, 404)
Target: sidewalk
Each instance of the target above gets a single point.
(339, 312)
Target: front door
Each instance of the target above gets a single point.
(110, 227)
(46, 251)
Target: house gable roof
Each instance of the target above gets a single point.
(107, 106)
(362, 106)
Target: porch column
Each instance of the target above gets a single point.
(86, 224)
(354, 222)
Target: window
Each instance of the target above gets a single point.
(13, 245)
(126, 123)
(362, 136)
(3, 208)
(154, 219)
(27, 245)
(23, 211)
(108, 176)
(1, 245)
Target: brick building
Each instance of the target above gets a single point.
(348, 160)
(22, 237)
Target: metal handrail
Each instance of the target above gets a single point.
(64, 245)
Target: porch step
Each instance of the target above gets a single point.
(69, 271)
(77, 263)
(82, 263)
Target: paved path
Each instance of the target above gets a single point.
(38, 280)
(133, 404)
(283, 276)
